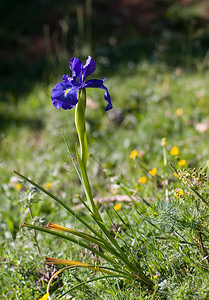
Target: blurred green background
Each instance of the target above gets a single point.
(37, 36)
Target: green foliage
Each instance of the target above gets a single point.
(168, 240)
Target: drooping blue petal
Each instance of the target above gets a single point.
(64, 95)
(97, 83)
(76, 68)
(88, 68)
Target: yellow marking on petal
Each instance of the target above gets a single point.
(45, 297)
(47, 185)
(143, 180)
(163, 142)
(174, 151)
(153, 172)
(67, 91)
(18, 186)
(133, 154)
(182, 162)
(117, 206)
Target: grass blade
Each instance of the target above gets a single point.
(71, 239)
(59, 201)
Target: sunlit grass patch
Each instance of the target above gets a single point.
(154, 94)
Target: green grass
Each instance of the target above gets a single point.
(166, 242)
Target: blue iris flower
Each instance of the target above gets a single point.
(65, 93)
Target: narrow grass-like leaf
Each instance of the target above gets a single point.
(124, 258)
(100, 242)
(104, 244)
(83, 179)
(66, 262)
(86, 236)
(59, 201)
(92, 280)
(71, 239)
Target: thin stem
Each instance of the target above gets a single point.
(191, 188)
(202, 247)
(34, 231)
(95, 279)
(165, 165)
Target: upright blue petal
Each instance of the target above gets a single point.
(88, 68)
(76, 68)
(97, 83)
(64, 95)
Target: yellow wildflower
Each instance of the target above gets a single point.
(153, 172)
(174, 151)
(45, 297)
(163, 142)
(47, 185)
(133, 154)
(179, 112)
(179, 193)
(176, 175)
(155, 276)
(117, 206)
(143, 180)
(18, 186)
(182, 162)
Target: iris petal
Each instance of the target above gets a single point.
(76, 67)
(64, 95)
(97, 83)
(72, 96)
(66, 78)
(89, 67)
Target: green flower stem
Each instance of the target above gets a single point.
(82, 158)
(80, 125)
(87, 188)
(34, 231)
(166, 175)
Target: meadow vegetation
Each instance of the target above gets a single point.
(158, 214)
